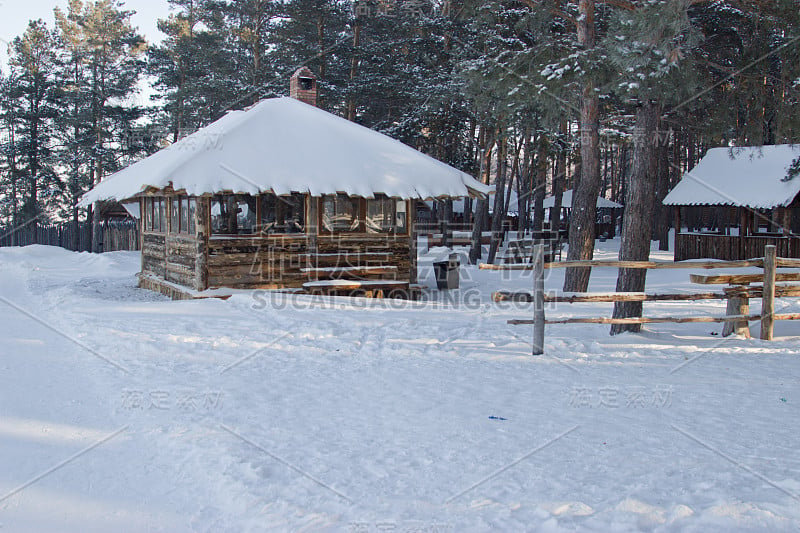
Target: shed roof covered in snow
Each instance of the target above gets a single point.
(566, 201)
(282, 145)
(750, 177)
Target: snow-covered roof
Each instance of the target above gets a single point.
(283, 145)
(566, 201)
(749, 177)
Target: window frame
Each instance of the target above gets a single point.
(393, 203)
(359, 207)
(262, 212)
(238, 198)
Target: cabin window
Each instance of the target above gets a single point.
(283, 214)
(190, 214)
(386, 215)
(174, 215)
(340, 213)
(233, 214)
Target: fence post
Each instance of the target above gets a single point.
(768, 297)
(538, 299)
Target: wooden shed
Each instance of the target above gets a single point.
(735, 202)
(279, 195)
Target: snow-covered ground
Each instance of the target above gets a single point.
(123, 411)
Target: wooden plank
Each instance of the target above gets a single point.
(737, 279)
(783, 262)
(153, 238)
(183, 260)
(781, 291)
(651, 265)
(180, 269)
(344, 254)
(768, 296)
(219, 243)
(350, 259)
(246, 258)
(348, 273)
(181, 246)
(642, 320)
(238, 280)
(351, 269)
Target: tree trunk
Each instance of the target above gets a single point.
(662, 223)
(499, 200)
(541, 183)
(559, 179)
(351, 99)
(584, 196)
(586, 191)
(482, 207)
(639, 198)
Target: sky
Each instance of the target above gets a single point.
(15, 14)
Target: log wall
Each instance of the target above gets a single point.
(180, 259)
(154, 254)
(278, 261)
(256, 261)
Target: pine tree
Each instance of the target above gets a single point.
(73, 122)
(114, 66)
(9, 179)
(191, 68)
(248, 30)
(33, 102)
(316, 34)
(650, 44)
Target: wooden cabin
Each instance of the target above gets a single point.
(735, 202)
(280, 195)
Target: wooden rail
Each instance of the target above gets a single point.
(643, 320)
(738, 294)
(781, 291)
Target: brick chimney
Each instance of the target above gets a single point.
(303, 86)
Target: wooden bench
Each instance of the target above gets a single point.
(738, 304)
(371, 288)
(346, 259)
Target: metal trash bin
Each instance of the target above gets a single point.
(446, 272)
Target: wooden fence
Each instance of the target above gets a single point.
(733, 247)
(737, 293)
(115, 235)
